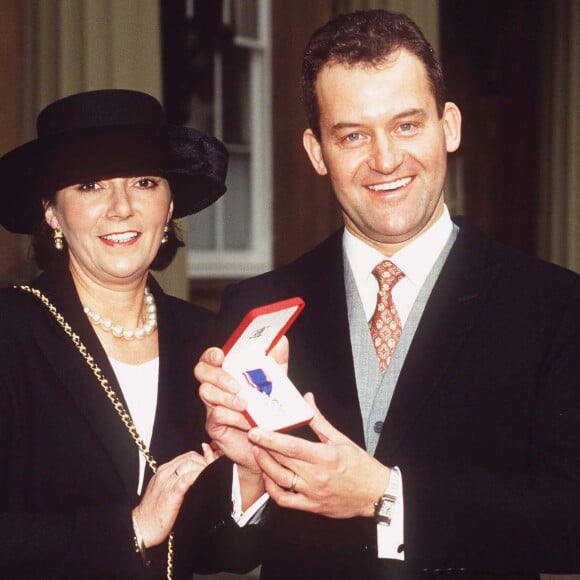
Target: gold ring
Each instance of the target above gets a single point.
(294, 482)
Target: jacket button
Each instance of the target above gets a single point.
(378, 427)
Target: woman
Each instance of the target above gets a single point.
(95, 361)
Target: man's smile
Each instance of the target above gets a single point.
(390, 186)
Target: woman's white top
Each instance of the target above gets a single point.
(139, 384)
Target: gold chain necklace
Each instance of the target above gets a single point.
(111, 395)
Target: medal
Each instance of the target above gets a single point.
(258, 379)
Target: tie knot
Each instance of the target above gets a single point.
(387, 274)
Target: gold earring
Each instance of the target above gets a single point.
(165, 237)
(58, 239)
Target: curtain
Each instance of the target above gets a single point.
(559, 203)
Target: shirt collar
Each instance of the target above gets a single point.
(415, 259)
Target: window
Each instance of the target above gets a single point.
(228, 56)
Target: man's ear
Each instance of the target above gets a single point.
(452, 126)
(314, 151)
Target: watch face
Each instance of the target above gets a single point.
(384, 509)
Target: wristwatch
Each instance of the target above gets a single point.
(385, 506)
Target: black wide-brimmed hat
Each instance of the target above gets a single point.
(105, 134)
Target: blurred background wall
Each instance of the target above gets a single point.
(232, 67)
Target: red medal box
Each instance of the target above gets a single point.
(274, 403)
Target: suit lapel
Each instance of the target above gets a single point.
(173, 415)
(323, 338)
(79, 380)
(451, 310)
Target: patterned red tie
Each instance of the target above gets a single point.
(385, 324)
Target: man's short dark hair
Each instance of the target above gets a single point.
(366, 37)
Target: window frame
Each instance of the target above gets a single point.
(220, 263)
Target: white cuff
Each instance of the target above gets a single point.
(253, 514)
(390, 538)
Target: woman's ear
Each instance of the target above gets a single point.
(49, 215)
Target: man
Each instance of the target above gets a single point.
(454, 449)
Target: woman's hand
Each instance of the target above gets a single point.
(155, 515)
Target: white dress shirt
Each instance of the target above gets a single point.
(415, 260)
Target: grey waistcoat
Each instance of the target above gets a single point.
(375, 390)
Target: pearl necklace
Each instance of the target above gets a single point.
(119, 331)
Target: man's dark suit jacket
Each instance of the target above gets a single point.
(68, 467)
(484, 422)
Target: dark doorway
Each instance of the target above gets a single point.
(491, 52)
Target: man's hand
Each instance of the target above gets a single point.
(334, 478)
(226, 423)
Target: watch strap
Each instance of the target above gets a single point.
(384, 506)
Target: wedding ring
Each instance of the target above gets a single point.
(294, 482)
